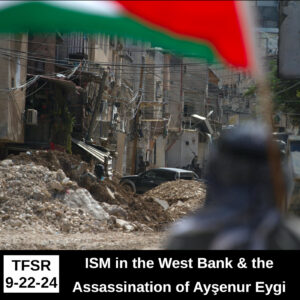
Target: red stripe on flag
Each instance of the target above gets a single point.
(214, 21)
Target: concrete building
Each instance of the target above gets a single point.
(234, 102)
(13, 71)
(147, 136)
(238, 104)
(267, 13)
(189, 95)
(195, 84)
(42, 53)
(153, 121)
(147, 104)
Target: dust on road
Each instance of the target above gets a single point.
(107, 240)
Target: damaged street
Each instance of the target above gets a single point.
(46, 202)
(109, 135)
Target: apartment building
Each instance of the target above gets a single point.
(13, 71)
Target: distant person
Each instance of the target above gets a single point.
(142, 165)
(240, 210)
(99, 171)
(194, 162)
(195, 166)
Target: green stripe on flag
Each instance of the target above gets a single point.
(41, 18)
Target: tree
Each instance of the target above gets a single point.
(286, 93)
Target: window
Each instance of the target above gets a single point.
(169, 175)
(164, 175)
(187, 176)
(39, 66)
(158, 90)
(150, 174)
(268, 14)
(247, 103)
(189, 107)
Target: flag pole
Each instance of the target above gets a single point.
(265, 108)
(265, 111)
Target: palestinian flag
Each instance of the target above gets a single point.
(214, 30)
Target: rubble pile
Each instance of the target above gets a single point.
(135, 212)
(34, 198)
(51, 191)
(72, 165)
(178, 197)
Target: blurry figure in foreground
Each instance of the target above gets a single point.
(240, 211)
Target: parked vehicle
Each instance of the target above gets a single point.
(150, 179)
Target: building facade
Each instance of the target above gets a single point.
(13, 71)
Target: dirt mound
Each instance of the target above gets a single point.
(179, 190)
(76, 169)
(34, 198)
(126, 211)
(131, 208)
(181, 197)
(53, 160)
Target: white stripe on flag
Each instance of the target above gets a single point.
(6, 4)
(109, 8)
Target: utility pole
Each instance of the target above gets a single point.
(166, 79)
(97, 107)
(136, 121)
(181, 105)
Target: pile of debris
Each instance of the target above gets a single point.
(33, 197)
(126, 211)
(178, 197)
(55, 192)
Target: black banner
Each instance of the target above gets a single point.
(111, 274)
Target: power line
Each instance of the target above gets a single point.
(67, 46)
(34, 92)
(24, 85)
(110, 64)
(282, 91)
(170, 81)
(133, 65)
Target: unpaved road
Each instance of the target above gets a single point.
(108, 240)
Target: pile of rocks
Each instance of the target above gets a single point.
(179, 197)
(48, 191)
(132, 208)
(34, 198)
